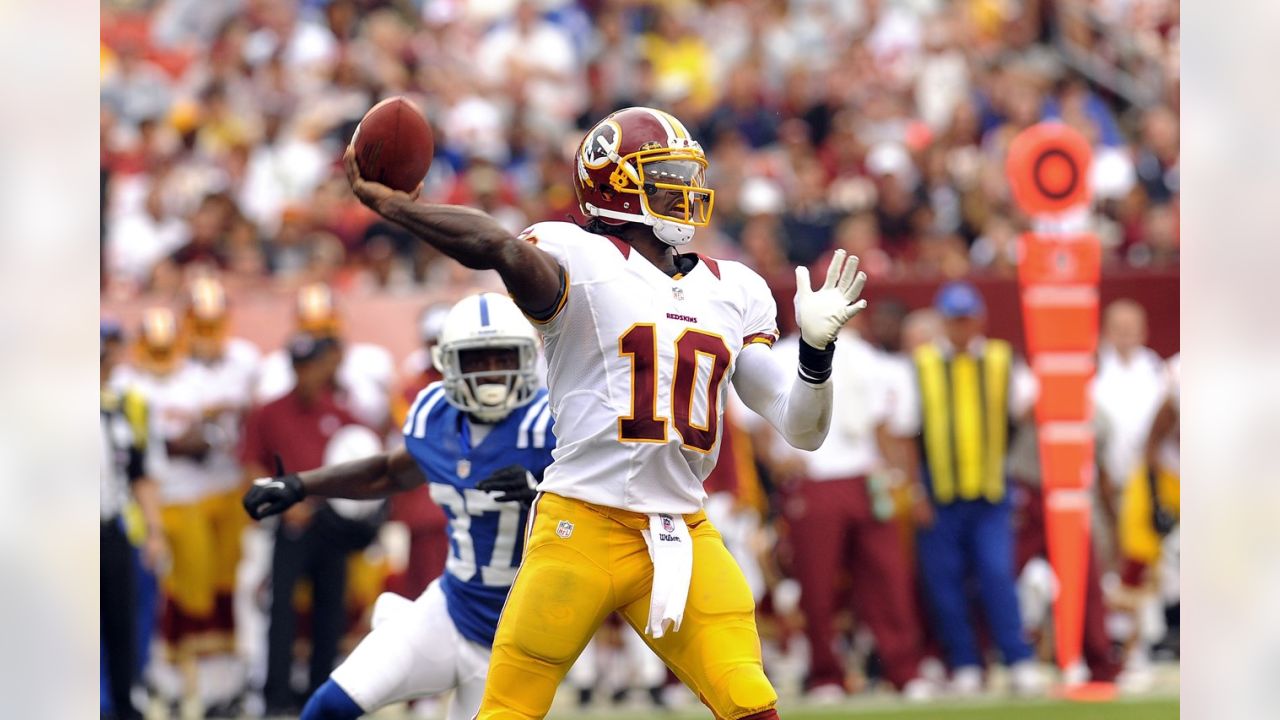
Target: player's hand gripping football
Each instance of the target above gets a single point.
(273, 495)
(821, 314)
(513, 482)
(373, 194)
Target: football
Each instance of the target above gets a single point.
(393, 144)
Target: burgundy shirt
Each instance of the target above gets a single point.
(296, 431)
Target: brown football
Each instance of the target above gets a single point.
(393, 144)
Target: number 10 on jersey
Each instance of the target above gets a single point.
(644, 424)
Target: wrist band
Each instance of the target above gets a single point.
(815, 364)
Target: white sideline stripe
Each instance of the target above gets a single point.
(1066, 432)
(1068, 499)
(1063, 363)
(1060, 295)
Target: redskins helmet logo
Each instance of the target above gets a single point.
(602, 143)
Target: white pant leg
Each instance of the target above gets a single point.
(250, 612)
(473, 668)
(416, 651)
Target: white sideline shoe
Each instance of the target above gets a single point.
(919, 690)
(829, 694)
(1027, 679)
(966, 681)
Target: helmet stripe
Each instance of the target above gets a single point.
(666, 125)
(681, 132)
(484, 311)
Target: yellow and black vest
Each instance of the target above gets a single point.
(965, 407)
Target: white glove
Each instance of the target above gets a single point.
(821, 314)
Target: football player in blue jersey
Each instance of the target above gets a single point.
(481, 439)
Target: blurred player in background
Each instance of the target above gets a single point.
(177, 390)
(1127, 391)
(365, 376)
(125, 433)
(1148, 530)
(640, 340)
(479, 440)
(231, 366)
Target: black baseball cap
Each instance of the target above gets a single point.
(305, 347)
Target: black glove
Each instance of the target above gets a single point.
(514, 482)
(273, 495)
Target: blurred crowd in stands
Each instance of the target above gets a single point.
(875, 125)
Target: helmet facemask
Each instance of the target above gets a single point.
(488, 394)
(649, 173)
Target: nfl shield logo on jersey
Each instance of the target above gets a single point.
(667, 525)
(677, 294)
(564, 529)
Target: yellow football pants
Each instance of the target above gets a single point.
(584, 561)
(227, 520)
(1138, 539)
(191, 578)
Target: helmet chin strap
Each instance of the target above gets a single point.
(671, 233)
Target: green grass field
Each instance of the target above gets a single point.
(1143, 709)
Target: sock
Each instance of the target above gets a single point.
(770, 714)
(331, 702)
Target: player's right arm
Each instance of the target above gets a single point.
(800, 410)
(369, 478)
(533, 277)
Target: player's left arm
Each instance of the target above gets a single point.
(370, 478)
(801, 409)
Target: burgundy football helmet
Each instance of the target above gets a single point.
(630, 157)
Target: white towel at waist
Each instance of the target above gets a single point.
(671, 550)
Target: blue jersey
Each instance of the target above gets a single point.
(486, 537)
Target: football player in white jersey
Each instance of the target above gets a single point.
(231, 365)
(177, 392)
(641, 341)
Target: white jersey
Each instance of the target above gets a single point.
(365, 376)
(639, 365)
(176, 402)
(231, 379)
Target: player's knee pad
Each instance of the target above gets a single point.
(742, 691)
(331, 702)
